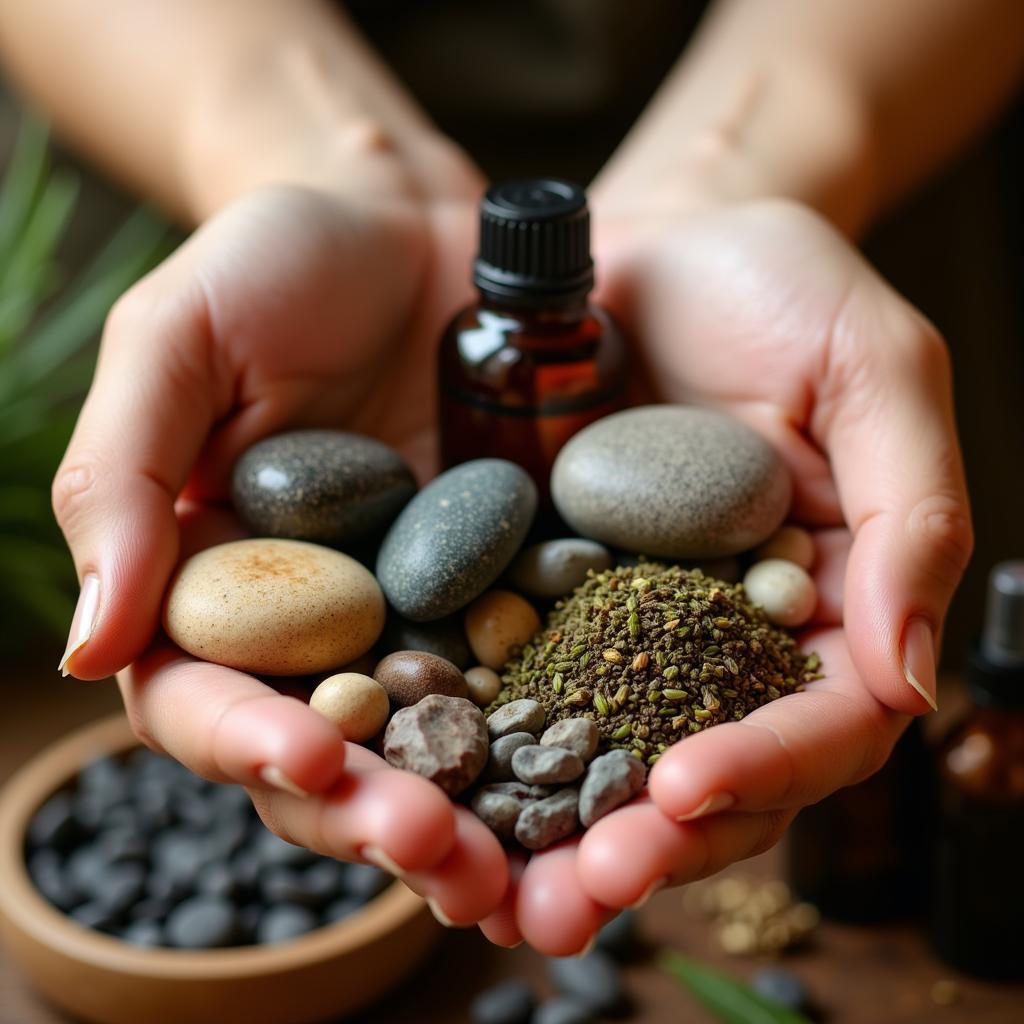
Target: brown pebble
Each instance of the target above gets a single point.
(497, 623)
(409, 676)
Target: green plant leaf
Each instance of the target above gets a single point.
(727, 999)
(22, 182)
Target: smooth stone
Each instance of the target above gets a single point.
(283, 885)
(727, 568)
(484, 685)
(620, 937)
(281, 607)
(444, 739)
(444, 637)
(523, 715)
(54, 824)
(324, 880)
(341, 908)
(580, 735)
(409, 676)
(555, 568)
(44, 868)
(611, 780)
(671, 481)
(94, 914)
(217, 879)
(356, 704)
(497, 624)
(542, 766)
(499, 760)
(321, 485)
(203, 922)
(544, 822)
(793, 543)
(122, 888)
(593, 979)
(780, 986)
(455, 538)
(284, 922)
(498, 811)
(146, 933)
(509, 1002)
(784, 590)
(564, 1010)
(364, 881)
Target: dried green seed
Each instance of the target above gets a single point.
(623, 731)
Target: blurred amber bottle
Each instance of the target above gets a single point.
(976, 912)
(532, 361)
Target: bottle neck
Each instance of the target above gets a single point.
(565, 310)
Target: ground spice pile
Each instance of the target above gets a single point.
(653, 653)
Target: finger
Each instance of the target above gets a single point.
(635, 850)
(789, 753)
(832, 551)
(555, 914)
(500, 926)
(890, 432)
(155, 394)
(229, 727)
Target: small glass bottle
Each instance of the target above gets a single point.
(977, 905)
(532, 361)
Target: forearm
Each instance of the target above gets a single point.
(194, 102)
(841, 105)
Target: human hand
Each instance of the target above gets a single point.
(764, 311)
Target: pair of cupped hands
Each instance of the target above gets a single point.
(300, 307)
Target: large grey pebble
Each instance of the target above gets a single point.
(455, 538)
(579, 735)
(620, 937)
(611, 780)
(510, 1002)
(542, 766)
(593, 979)
(555, 568)
(564, 1010)
(547, 821)
(203, 922)
(285, 921)
(498, 811)
(672, 481)
(444, 739)
(523, 715)
(445, 637)
(321, 485)
(499, 761)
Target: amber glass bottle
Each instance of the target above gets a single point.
(532, 361)
(977, 906)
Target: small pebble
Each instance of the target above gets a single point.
(516, 716)
(784, 590)
(409, 676)
(547, 821)
(283, 922)
(484, 685)
(340, 909)
(364, 881)
(780, 986)
(498, 811)
(510, 1002)
(593, 979)
(203, 922)
(145, 933)
(579, 735)
(499, 623)
(555, 568)
(611, 780)
(791, 543)
(726, 569)
(499, 760)
(442, 738)
(94, 915)
(620, 937)
(356, 704)
(54, 824)
(444, 637)
(541, 766)
(564, 1010)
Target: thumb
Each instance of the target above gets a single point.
(890, 433)
(147, 414)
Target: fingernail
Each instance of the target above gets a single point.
(439, 914)
(588, 947)
(273, 776)
(712, 805)
(378, 858)
(83, 621)
(655, 886)
(919, 659)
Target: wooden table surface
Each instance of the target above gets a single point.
(856, 975)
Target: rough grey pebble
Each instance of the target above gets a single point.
(516, 716)
(444, 637)
(499, 761)
(611, 780)
(444, 739)
(593, 979)
(579, 735)
(498, 811)
(510, 1002)
(564, 1010)
(547, 821)
(555, 568)
(541, 766)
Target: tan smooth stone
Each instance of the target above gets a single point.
(283, 607)
(484, 685)
(792, 543)
(356, 704)
(784, 590)
(498, 621)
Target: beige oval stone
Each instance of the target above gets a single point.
(283, 607)
(356, 704)
(498, 621)
(484, 685)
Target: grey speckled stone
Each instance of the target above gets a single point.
(672, 481)
(555, 568)
(523, 715)
(547, 821)
(579, 735)
(537, 765)
(321, 485)
(499, 761)
(445, 637)
(455, 538)
(611, 780)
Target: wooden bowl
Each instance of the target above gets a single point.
(322, 975)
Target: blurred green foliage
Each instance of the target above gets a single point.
(48, 332)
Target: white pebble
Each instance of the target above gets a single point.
(484, 685)
(356, 704)
(792, 543)
(783, 589)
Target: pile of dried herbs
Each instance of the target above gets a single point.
(653, 653)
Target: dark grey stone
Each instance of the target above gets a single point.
(780, 986)
(672, 481)
(364, 881)
(284, 922)
(499, 760)
(122, 887)
(272, 849)
(54, 824)
(540, 766)
(94, 915)
(217, 879)
(579, 735)
(611, 780)
(498, 811)
(555, 568)
(510, 1002)
(547, 821)
(47, 874)
(455, 538)
(593, 980)
(321, 485)
(145, 933)
(564, 1010)
(620, 936)
(203, 922)
(444, 637)
(341, 908)
(523, 715)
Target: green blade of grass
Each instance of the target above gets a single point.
(727, 999)
(22, 182)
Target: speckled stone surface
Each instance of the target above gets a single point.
(671, 481)
(444, 637)
(455, 538)
(555, 568)
(321, 485)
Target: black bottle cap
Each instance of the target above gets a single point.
(534, 243)
(996, 663)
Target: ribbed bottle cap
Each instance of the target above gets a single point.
(534, 242)
(996, 665)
